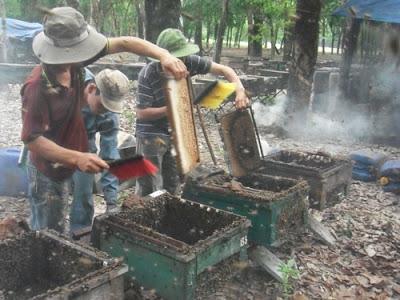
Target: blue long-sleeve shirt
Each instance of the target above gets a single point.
(107, 124)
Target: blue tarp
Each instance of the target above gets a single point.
(391, 168)
(368, 158)
(387, 11)
(392, 187)
(21, 30)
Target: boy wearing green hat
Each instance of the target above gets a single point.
(153, 139)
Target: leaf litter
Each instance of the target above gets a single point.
(363, 264)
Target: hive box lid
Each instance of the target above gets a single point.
(242, 151)
(180, 115)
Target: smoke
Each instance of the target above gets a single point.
(342, 121)
(385, 100)
(270, 115)
(350, 125)
(375, 113)
(266, 148)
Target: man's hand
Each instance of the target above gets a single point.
(170, 64)
(173, 66)
(90, 163)
(241, 100)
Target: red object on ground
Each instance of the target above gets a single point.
(136, 166)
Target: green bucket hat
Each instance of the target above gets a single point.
(175, 42)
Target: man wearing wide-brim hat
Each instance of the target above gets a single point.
(68, 39)
(53, 128)
(152, 128)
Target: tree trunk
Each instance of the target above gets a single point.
(274, 39)
(29, 10)
(272, 31)
(240, 34)
(333, 32)
(236, 41)
(339, 41)
(198, 38)
(323, 35)
(92, 12)
(254, 32)
(349, 48)
(306, 32)
(161, 14)
(228, 31)
(288, 44)
(363, 43)
(3, 37)
(140, 19)
(104, 9)
(208, 35)
(282, 42)
(189, 35)
(215, 32)
(73, 3)
(231, 38)
(368, 43)
(198, 34)
(114, 24)
(221, 31)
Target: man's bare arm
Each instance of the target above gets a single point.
(151, 113)
(86, 162)
(170, 64)
(241, 100)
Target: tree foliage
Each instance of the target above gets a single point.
(120, 17)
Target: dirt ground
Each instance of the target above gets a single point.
(363, 264)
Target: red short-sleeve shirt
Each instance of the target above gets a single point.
(56, 116)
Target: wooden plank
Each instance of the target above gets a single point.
(240, 142)
(320, 230)
(267, 260)
(78, 233)
(271, 72)
(181, 119)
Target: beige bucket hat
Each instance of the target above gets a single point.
(67, 38)
(113, 86)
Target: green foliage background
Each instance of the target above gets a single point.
(119, 17)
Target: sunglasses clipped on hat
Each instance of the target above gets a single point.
(67, 38)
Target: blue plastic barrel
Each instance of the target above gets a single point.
(13, 179)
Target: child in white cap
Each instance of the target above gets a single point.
(104, 94)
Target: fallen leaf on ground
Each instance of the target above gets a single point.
(363, 281)
(370, 251)
(374, 280)
(396, 288)
(299, 296)
(236, 186)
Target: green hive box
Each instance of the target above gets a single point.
(274, 205)
(167, 242)
(329, 178)
(45, 265)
